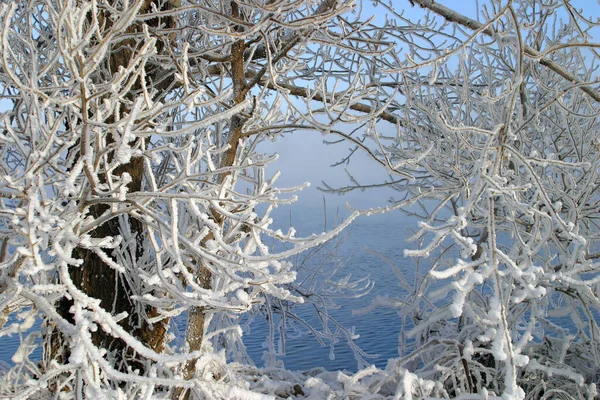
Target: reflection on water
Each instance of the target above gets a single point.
(378, 330)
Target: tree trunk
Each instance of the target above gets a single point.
(197, 316)
(94, 277)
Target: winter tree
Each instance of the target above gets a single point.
(134, 192)
(132, 189)
(495, 150)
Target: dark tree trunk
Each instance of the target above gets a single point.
(94, 277)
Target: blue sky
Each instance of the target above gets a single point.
(304, 157)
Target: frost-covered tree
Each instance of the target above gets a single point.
(132, 192)
(135, 199)
(495, 150)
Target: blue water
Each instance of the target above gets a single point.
(378, 330)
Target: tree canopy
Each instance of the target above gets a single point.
(134, 191)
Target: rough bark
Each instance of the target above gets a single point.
(94, 277)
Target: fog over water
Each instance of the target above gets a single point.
(378, 330)
(305, 158)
